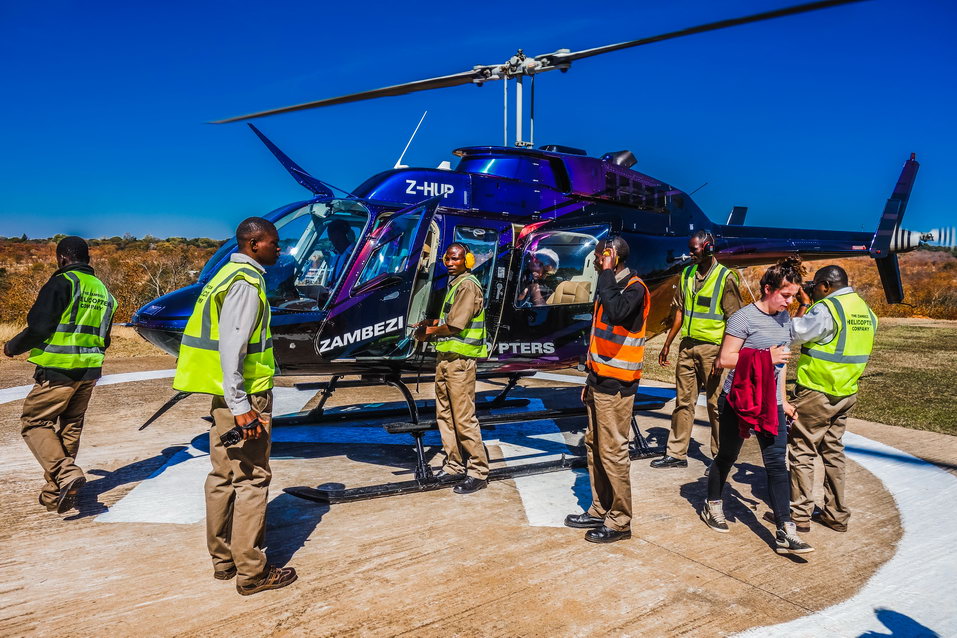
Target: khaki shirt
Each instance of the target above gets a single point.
(466, 304)
(731, 301)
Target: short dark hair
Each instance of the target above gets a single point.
(339, 226)
(832, 274)
(251, 228)
(74, 249)
(702, 235)
(788, 270)
(618, 243)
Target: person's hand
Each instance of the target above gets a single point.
(791, 411)
(780, 354)
(584, 389)
(243, 420)
(715, 369)
(609, 258)
(803, 297)
(663, 355)
(421, 333)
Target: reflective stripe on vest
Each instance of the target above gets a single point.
(835, 367)
(704, 322)
(470, 341)
(199, 368)
(79, 340)
(614, 351)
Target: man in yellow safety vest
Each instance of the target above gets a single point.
(461, 340)
(707, 295)
(67, 334)
(226, 352)
(838, 336)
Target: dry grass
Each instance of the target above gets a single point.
(910, 380)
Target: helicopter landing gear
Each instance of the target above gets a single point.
(639, 448)
(426, 481)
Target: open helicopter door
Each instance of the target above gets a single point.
(370, 316)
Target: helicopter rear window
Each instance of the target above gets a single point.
(483, 243)
(558, 267)
(526, 169)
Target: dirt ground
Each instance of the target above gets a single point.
(427, 564)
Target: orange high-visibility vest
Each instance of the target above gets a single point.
(614, 351)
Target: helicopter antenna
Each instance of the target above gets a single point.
(698, 189)
(398, 162)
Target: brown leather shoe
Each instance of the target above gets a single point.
(817, 517)
(225, 574)
(68, 495)
(275, 578)
(802, 528)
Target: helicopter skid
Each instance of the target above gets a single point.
(427, 485)
(338, 416)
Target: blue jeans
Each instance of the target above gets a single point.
(773, 452)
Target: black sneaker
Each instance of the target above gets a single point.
(788, 542)
(713, 516)
(669, 461)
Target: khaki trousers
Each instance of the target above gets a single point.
(818, 432)
(237, 490)
(51, 424)
(692, 372)
(609, 466)
(455, 416)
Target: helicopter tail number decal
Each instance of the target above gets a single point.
(362, 334)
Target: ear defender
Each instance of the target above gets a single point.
(708, 246)
(469, 259)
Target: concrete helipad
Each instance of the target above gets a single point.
(131, 559)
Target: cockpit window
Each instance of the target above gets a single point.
(317, 243)
(392, 248)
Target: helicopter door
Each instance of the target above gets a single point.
(370, 316)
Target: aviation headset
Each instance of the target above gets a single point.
(707, 247)
(608, 242)
(469, 256)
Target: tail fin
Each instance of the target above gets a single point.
(305, 179)
(881, 249)
(894, 210)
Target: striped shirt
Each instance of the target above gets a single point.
(759, 331)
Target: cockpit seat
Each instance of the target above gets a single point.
(570, 292)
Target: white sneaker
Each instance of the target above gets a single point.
(788, 542)
(713, 515)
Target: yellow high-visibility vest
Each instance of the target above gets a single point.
(79, 340)
(702, 317)
(470, 342)
(834, 367)
(198, 368)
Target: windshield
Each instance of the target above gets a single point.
(317, 243)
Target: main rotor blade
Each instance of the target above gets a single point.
(558, 58)
(466, 77)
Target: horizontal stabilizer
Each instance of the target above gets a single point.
(305, 179)
(736, 218)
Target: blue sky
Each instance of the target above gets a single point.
(806, 119)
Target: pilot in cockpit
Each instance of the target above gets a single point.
(343, 240)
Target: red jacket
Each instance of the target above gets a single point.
(754, 393)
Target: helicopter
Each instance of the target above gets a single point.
(358, 270)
